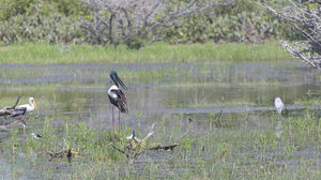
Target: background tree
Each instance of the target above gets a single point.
(305, 17)
(134, 21)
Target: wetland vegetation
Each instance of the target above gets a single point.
(232, 133)
(37, 53)
(203, 74)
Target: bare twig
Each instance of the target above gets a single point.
(296, 54)
(120, 150)
(17, 102)
(110, 36)
(307, 21)
(129, 26)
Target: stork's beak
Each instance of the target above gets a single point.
(117, 80)
(35, 105)
(121, 83)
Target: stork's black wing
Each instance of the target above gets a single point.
(121, 101)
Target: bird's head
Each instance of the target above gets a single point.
(118, 82)
(33, 102)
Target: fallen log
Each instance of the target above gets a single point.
(165, 147)
(6, 111)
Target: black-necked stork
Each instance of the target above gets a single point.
(25, 108)
(117, 97)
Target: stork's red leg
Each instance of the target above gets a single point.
(119, 120)
(112, 116)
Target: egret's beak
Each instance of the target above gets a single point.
(35, 105)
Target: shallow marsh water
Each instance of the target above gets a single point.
(249, 140)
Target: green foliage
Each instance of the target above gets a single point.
(9, 8)
(37, 26)
(243, 21)
(36, 20)
(69, 7)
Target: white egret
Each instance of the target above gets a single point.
(279, 105)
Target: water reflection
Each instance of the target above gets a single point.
(278, 129)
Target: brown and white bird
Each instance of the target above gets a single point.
(25, 108)
(117, 97)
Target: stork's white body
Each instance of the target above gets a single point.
(112, 94)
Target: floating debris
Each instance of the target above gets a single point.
(68, 153)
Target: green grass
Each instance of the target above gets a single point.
(37, 53)
(235, 151)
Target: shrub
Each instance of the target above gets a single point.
(37, 26)
(242, 21)
(11, 8)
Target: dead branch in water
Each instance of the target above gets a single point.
(166, 147)
(5, 111)
(137, 147)
(119, 149)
